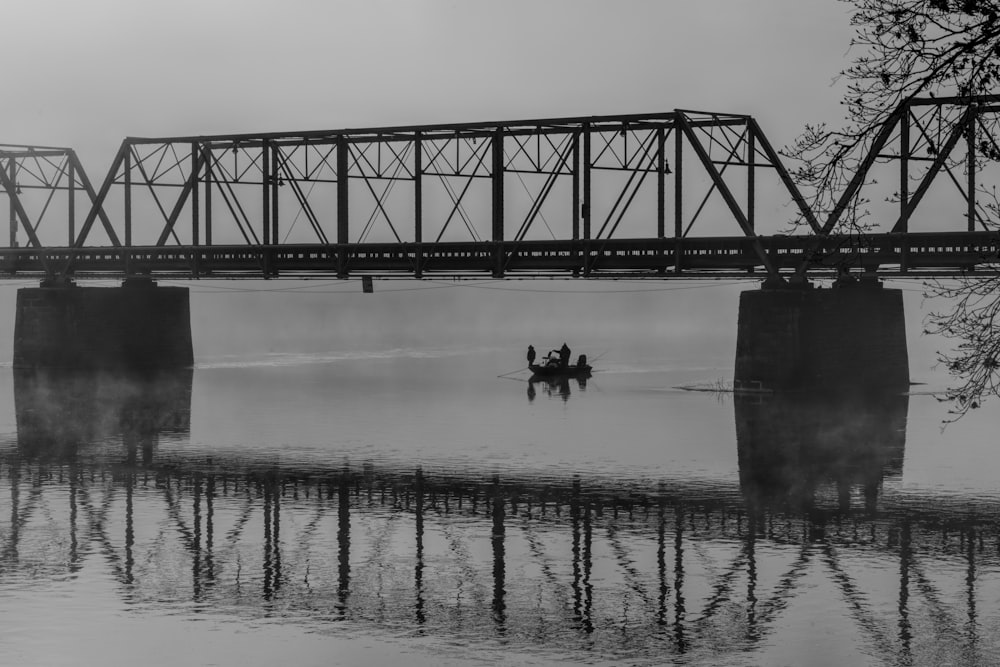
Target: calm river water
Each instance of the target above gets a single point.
(403, 505)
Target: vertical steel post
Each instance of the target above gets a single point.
(586, 181)
(71, 200)
(265, 178)
(661, 189)
(751, 176)
(195, 199)
(127, 165)
(586, 199)
(418, 201)
(904, 170)
(12, 173)
(208, 195)
(342, 209)
(971, 157)
(678, 182)
(678, 199)
(904, 183)
(275, 184)
(575, 217)
(497, 178)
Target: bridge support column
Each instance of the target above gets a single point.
(802, 338)
(137, 326)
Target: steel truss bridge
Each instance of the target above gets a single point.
(676, 194)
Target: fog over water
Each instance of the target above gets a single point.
(698, 318)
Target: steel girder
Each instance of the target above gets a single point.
(913, 254)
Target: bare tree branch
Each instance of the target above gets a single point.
(905, 50)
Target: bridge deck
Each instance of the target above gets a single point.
(916, 255)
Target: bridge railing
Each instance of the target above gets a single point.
(917, 254)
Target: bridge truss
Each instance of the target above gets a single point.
(676, 194)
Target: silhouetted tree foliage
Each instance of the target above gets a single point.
(904, 49)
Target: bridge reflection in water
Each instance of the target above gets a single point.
(626, 568)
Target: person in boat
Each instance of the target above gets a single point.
(553, 358)
(564, 355)
(531, 355)
(581, 361)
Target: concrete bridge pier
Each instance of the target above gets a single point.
(137, 326)
(848, 337)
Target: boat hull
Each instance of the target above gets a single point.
(560, 371)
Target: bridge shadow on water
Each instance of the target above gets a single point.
(624, 569)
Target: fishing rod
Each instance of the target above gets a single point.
(513, 372)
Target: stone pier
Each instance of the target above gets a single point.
(848, 337)
(134, 327)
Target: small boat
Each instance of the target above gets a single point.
(557, 371)
(555, 365)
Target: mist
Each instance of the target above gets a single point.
(688, 320)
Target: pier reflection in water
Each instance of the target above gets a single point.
(646, 571)
(794, 448)
(60, 411)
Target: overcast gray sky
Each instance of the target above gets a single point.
(87, 74)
